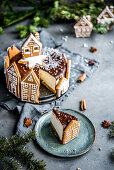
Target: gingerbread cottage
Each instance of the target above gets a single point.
(107, 16)
(30, 87)
(83, 28)
(31, 46)
(71, 131)
(13, 79)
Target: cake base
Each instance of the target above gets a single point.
(55, 133)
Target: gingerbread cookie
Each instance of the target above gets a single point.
(30, 87)
(83, 28)
(13, 51)
(13, 79)
(31, 46)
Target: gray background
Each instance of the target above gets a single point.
(98, 91)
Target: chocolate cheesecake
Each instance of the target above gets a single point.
(65, 126)
(26, 68)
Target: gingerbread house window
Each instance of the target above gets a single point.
(15, 80)
(83, 29)
(24, 96)
(27, 50)
(10, 77)
(88, 29)
(33, 91)
(79, 30)
(25, 85)
(33, 86)
(32, 97)
(25, 91)
(36, 48)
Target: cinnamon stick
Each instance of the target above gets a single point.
(83, 105)
(82, 78)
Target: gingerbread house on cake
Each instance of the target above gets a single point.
(31, 46)
(107, 16)
(83, 28)
(13, 79)
(30, 87)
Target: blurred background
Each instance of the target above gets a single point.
(45, 12)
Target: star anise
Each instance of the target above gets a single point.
(93, 49)
(91, 63)
(106, 124)
(27, 122)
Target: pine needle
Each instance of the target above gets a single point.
(14, 150)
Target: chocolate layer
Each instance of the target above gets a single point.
(55, 65)
(16, 58)
(36, 70)
(23, 69)
(64, 118)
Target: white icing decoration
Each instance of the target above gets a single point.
(105, 17)
(32, 61)
(30, 79)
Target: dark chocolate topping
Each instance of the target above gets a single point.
(16, 58)
(64, 118)
(36, 70)
(55, 65)
(23, 69)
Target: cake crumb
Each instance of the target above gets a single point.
(85, 45)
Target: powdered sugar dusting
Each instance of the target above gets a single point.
(54, 63)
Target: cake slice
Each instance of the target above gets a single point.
(65, 126)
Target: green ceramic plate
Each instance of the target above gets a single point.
(78, 146)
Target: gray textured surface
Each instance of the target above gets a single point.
(98, 92)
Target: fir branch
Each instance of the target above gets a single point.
(14, 148)
(5, 147)
(17, 141)
(10, 162)
(8, 5)
(27, 158)
(1, 30)
(10, 18)
(45, 12)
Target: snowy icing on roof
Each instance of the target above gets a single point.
(31, 36)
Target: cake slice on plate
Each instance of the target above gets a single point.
(66, 127)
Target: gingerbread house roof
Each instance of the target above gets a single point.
(31, 36)
(84, 21)
(30, 77)
(106, 10)
(13, 51)
(13, 69)
(71, 123)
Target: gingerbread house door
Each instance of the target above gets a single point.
(13, 89)
(33, 90)
(25, 91)
(29, 92)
